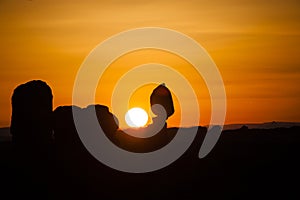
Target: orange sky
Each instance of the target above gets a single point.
(254, 43)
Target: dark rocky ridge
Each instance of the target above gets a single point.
(244, 164)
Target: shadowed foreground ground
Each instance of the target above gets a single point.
(245, 164)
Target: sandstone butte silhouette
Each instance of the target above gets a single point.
(49, 161)
(31, 120)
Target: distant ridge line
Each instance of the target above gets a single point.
(5, 132)
(265, 125)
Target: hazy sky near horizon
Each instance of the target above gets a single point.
(254, 43)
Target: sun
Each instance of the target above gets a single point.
(136, 117)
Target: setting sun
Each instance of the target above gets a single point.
(136, 117)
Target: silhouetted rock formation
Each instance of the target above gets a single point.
(31, 114)
(245, 163)
(69, 150)
(67, 141)
(108, 121)
(75, 164)
(162, 95)
(31, 129)
(65, 133)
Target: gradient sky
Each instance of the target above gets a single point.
(254, 43)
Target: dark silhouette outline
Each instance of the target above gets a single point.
(31, 121)
(246, 163)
